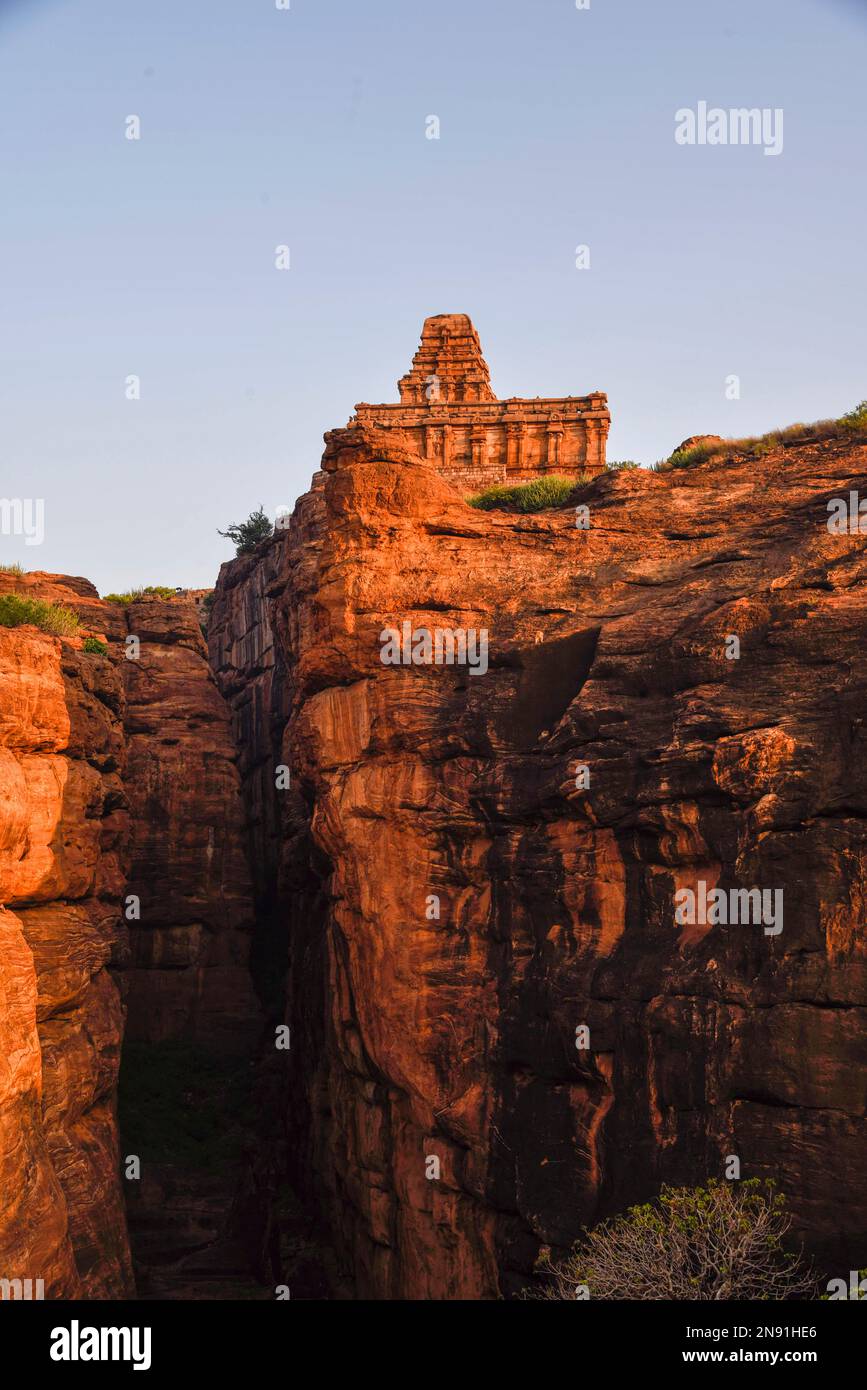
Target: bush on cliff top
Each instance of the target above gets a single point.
(17, 611)
(246, 535)
(852, 425)
(534, 496)
(134, 595)
(723, 1241)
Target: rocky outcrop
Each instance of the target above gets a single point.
(63, 828)
(491, 862)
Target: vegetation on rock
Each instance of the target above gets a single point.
(246, 535)
(723, 1241)
(17, 611)
(851, 426)
(534, 496)
(150, 591)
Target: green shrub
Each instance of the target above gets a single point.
(123, 599)
(135, 595)
(534, 496)
(689, 458)
(246, 535)
(855, 420)
(622, 463)
(17, 611)
(723, 1241)
(93, 644)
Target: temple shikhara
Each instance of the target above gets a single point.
(449, 415)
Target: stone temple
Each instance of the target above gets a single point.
(449, 415)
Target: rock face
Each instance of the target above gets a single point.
(449, 414)
(117, 787)
(252, 678)
(63, 831)
(189, 975)
(490, 863)
(556, 834)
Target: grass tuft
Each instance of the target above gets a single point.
(535, 496)
(135, 595)
(852, 425)
(16, 611)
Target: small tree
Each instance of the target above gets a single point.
(723, 1241)
(855, 420)
(246, 535)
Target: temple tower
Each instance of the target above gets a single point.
(449, 415)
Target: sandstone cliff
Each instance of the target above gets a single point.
(439, 880)
(121, 843)
(194, 1020)
(422, 788)
(63, 830)
(190, 942)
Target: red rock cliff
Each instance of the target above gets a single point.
(63, 831)
(190, 944)
(117, 786)
(423, 788)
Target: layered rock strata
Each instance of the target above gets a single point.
(63, 833)
(191, 922)
(491, 862)
(122, 844)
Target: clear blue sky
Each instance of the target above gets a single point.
(307, 127)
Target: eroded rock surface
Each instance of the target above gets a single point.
(454, 1037)
(189, 975)
(117, 787)
(63, 831)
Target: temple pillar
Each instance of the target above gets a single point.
(555, 435)
(478, 438)
(514, 446)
